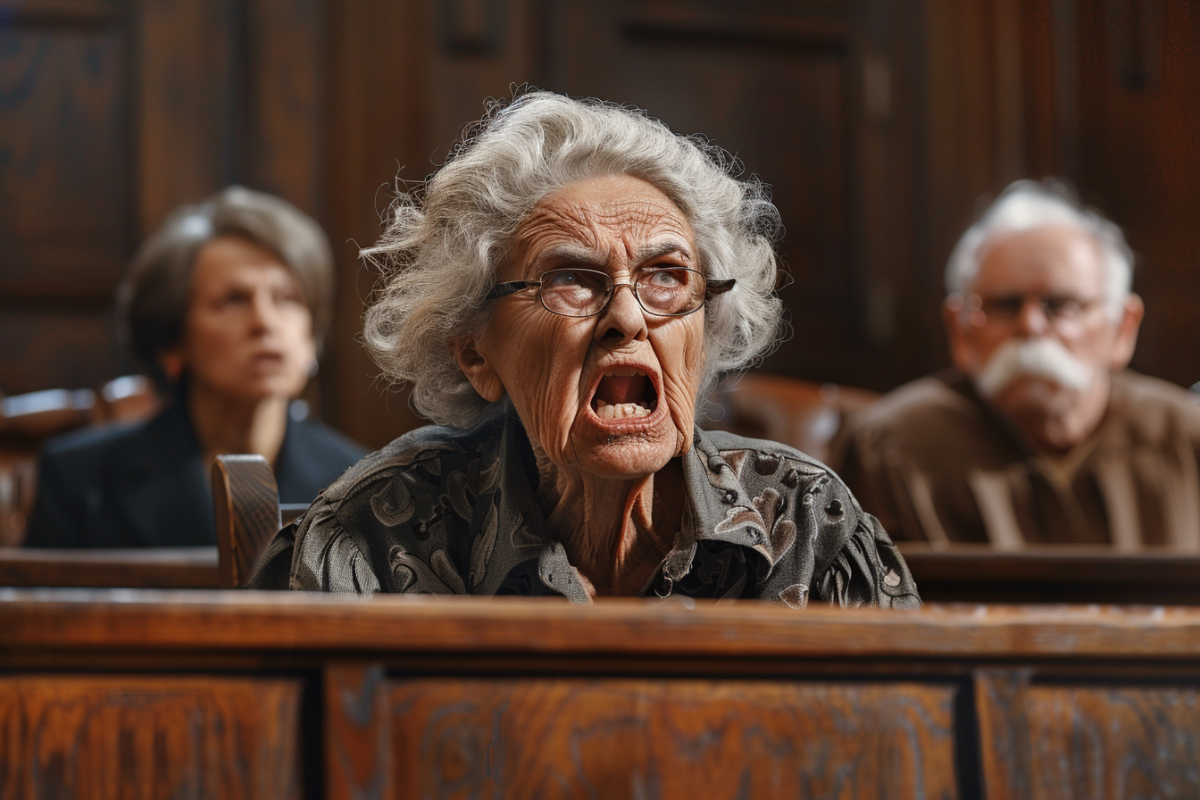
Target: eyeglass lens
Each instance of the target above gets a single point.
(585, 292)
(1006, 308)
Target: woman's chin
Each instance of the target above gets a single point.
(625, 449)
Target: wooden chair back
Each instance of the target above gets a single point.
(802, 414)
(247, 514)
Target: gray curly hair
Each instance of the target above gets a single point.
(444, 240)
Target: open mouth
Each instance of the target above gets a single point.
(624, 393)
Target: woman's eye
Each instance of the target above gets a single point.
(234, 299)
(562, 280)
(665, 278)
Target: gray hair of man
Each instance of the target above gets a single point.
(445, 239)
(153, 299)
(1028, 204)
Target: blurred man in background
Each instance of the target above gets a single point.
(1040, 434)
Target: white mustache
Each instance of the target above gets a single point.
(1039, 358)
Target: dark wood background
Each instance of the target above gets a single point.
(879, 123)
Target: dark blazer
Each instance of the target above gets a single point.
(144, 485)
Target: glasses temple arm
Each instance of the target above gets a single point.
(719, 287)
(512, 287)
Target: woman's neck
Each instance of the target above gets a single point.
(225, 425)
(616, 532)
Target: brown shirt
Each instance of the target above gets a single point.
(934, 462)
(446, 511)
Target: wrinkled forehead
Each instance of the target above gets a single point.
(608, 218)
(1051, 259)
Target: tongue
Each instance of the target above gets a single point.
(614, 389)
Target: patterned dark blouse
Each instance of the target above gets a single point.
(447, 511)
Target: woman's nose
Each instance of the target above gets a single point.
(264, 312)
(623, 319)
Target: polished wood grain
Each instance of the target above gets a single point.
(1052, 574)
(143, 568)
(246, 501)
(524, 698)
(1049, 739)
(358, 749)
(1114, 742)
(1005, 748)
(140, 737)
(670, 739)
(146, 620)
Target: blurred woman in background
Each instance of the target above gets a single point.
(226, 306)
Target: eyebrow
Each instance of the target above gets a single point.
(657, 250)
(581, 254)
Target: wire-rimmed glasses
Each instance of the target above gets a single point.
(660, 291)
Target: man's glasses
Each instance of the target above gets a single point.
(1005, 309)
(661, 291)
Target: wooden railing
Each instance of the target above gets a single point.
(244, 694)
(962, 573)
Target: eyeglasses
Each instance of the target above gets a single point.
(1005, 309)
(662, 291)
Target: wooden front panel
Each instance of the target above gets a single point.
(670, 739)
(146, 737)
(1049, 741)
(1112, 743)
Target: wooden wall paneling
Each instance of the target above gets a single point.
(781, 89)
(671, 739)
(64, 229)
(149, 737)
(58, 345)
(379, 74)
(483, 50)
(357, 733)
(187, 120)
(893, 293)
(975, 129)
(407, 77)
(1138, 73)
(65, 196)
(287, 48)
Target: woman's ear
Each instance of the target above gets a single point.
(477, 368)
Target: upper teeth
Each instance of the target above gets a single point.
(623, 372)
(620, 410)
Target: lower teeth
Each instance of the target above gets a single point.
(620, 410)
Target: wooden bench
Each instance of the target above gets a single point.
(243, 694)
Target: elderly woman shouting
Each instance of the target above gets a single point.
(563, 293)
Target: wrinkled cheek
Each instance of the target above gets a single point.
(681, 393)
(549, 422)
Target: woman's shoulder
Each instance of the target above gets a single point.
(723, 443)
(409, 454)
(98, 445)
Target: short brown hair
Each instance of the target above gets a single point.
(152, 300)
